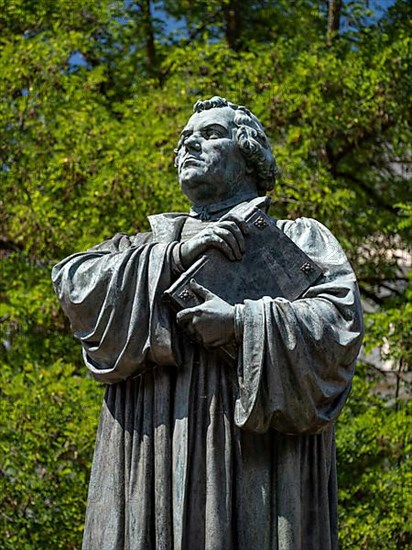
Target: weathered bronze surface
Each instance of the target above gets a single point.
(193, 452)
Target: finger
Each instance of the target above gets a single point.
(216, 241)
(200, 291)
(186, 315)
(236, 232)
(240, 222)
(231, 240)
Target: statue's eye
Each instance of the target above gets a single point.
(213, 134)
(182, 141)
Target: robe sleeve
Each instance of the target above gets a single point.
(112, 296)
(297, 359)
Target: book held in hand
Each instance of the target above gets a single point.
(272, 265)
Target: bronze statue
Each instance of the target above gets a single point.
(193, 451)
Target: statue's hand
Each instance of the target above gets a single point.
(227, 236)
(211, 323)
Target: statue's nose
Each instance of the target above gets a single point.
(192, 142)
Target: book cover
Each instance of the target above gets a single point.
(272, 265)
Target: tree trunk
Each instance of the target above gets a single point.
(232, 24)
(334, 10)
(149, 33)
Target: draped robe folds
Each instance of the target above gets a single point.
(195, 454)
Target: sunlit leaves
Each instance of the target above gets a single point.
(45, 459)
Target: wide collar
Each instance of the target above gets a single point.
(213, 212)
(168, 226)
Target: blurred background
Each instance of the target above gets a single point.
(94, 94)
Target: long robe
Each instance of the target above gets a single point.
(193, 453)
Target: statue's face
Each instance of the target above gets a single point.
(209, 162)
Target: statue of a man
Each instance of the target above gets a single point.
(193, 452)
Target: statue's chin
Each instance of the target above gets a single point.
(196, 187)
(200, 188)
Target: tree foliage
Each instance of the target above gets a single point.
(93, 97)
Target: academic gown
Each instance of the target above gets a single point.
(193, 453)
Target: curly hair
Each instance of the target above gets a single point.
(252, 140)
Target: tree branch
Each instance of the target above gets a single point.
(385, 372)
(6, 244)
(371, 295)
(368, 189)
(335, 157)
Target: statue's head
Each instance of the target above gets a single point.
(223, 150)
